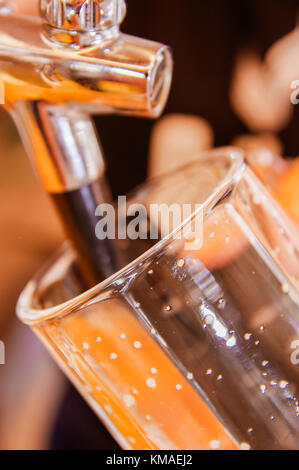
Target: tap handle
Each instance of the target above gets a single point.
(82, 23)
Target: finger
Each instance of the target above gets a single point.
(177, 140)
(258, 96)
(28, 7)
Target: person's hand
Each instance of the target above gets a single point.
(27, 7)
(177, 139)
(261, 89)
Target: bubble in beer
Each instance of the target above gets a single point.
(214, 444)
(151, 383)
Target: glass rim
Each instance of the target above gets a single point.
(31, 316)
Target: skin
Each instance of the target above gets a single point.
(29, 7)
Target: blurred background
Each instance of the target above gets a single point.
(234, 65)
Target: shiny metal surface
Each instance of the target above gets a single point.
(81, 23)
(65, 145)
(131, 76)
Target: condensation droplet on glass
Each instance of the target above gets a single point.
(137, 304)
(209, 372)
(180, 263)
(227, 240)
(190, 376)
(257, 343)
(212, 235)
(262, 328)
(148, 417)
(137, 344)
(283, 384)
(85, 346)
(99, 339)
(154, 371)
(178, 387)
(219, 378)
(231, 342)
(285, 288)
(113, 356)
(123, 336)
(151, 271)
(265, 363)
(244, 446)
(221, 304)
(263, 389)
(250, 430)
(273, 383)
(168, 308)
(272, 418)
(247, 336)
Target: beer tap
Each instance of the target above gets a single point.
(57, 71)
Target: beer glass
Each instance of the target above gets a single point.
(192, 345)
